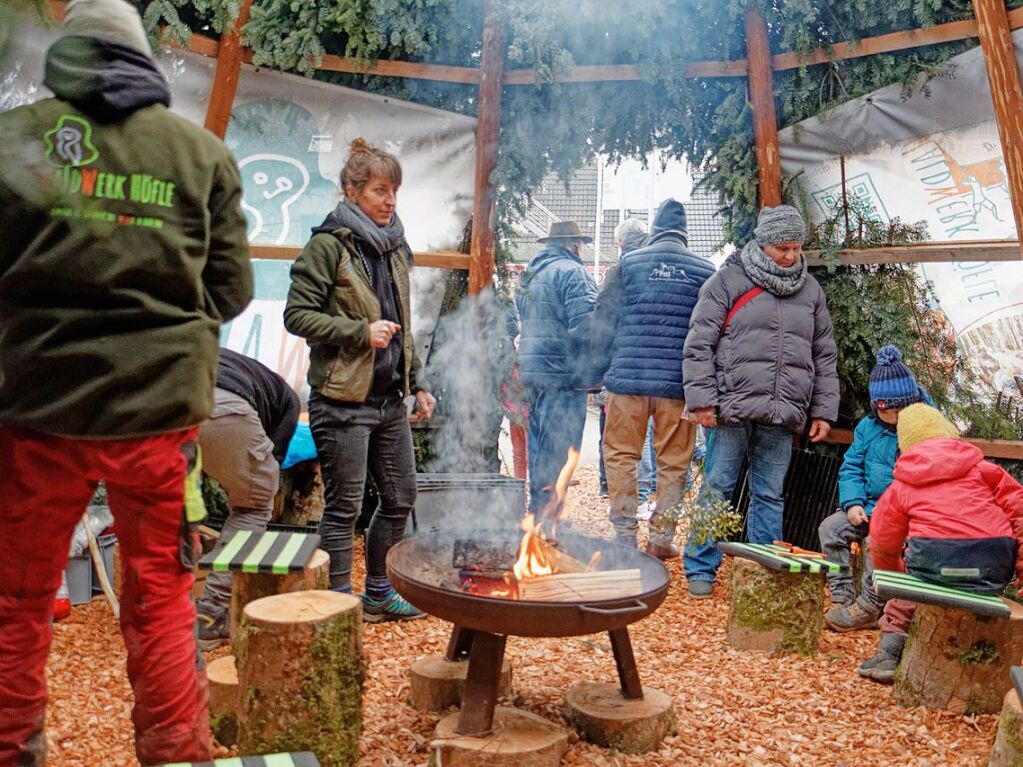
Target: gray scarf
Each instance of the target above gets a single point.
(778, 280)
(383, 239)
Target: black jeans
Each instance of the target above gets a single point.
(351, 440)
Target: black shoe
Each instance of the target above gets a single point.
(211, 632)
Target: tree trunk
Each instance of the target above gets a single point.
(300, 674)
(519, 739)
(437, 684)
(959, 661)
(224, 700)
(1008, 750)
(775, 611)
(248, 587)
(602, 715)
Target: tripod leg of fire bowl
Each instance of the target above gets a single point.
(460, 644)
(628, 673)
(481, 685)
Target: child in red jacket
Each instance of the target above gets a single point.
(954, 518)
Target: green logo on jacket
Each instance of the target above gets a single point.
(69, 143)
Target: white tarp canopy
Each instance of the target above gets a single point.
(933, 157)
(290, 136)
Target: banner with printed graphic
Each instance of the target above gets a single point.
(290, 136)
(934, 158)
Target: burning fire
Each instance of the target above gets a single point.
(557, 503)
(535, 554)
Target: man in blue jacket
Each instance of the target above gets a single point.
(555, 305)
(639, 330)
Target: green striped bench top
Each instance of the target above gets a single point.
(267, 552)
(303, 759)
(779, 558)
(891, 584)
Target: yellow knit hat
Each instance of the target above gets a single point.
(919, 422)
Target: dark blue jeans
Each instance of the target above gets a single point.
(557, 418)
(769, 449)
(352, 440)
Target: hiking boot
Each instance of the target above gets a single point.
(842, 598)
(881, 668)
(662, 551)
(701, 589)
(211, 632)
(393, 607)
(851, 617)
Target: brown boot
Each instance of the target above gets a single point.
(661, 551)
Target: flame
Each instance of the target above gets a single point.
(534, 554)
(557, 502)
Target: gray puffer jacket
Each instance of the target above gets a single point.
(776, 362)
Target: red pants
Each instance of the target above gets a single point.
(520, 457)
(47, 483)
(898, 614)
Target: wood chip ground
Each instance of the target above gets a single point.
(733, 708)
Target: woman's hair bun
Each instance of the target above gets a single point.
(361, 146)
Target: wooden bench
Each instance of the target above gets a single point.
(303, 759)
(960, 648)
(777, 602)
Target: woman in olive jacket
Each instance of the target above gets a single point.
(760, 362)
(349, 299)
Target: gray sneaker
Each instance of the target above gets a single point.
(701, 589)
(851, 617)
(881, 668)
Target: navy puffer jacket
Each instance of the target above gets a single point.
(642, 315)
(555, 303)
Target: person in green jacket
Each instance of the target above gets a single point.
(123, 251)
(349, 299)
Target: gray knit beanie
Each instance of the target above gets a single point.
(781, 224)
(113, 20)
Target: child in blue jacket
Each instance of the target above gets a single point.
(865, 474)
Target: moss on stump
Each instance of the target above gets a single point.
(958, 661)
(248, 587)
(300, 673)
(775, 611)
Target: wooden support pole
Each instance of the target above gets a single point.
(488, 134)
(1006, 94)
(765, 124)
(225, 77)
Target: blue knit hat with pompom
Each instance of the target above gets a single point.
(892, 384)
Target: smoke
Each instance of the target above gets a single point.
(472, 357)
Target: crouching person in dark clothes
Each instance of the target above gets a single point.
(243, 443)
(108, 344)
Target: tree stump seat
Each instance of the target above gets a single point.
(777, 602)
(299, 759)
(960, 646)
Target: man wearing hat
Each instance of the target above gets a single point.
(123, 251)
(555, 304)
